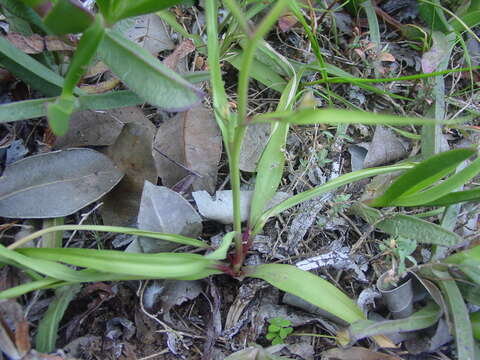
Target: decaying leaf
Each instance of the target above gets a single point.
(356, 353)
(191, 139)
(255, 140)
(186, 47)
(164, 210)
(150, 32)
(36, 44)
(385, 148)
(433, 57)
(219, 207)
(256, 352)
(132, 153)
(91, 128)
(56, 184)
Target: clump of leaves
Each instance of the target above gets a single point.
(401, 249)
(278, 330)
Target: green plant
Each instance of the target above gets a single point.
(400, 249)
(154, 83)
(278, 330)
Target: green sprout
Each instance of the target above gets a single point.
(278, 330)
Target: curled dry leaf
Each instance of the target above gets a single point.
(182, 50)
(191, 140)
(36, 44)
(132, 153)
(56, 184)
(219, 207)
(164, 210)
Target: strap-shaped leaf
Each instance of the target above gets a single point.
(456, 197)
(407, 226)
(422, 319)
(422, 175)
(47, 331)
(310, 288)
(29, 70)
(146, 75)
(441, 190)
(160, 265)
(68, 17)
(128, 8)
(272, 161)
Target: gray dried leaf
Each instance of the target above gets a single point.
(191, 139)
(164, 210)
(91, 128)
(302, 349)
(220, 207)
(386, 147)
(151, 33)
(15, 152)
(356, 353)
(255, 140)
(132, 153)
(436, 55)
(56, 184)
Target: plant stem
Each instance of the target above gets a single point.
(240, 128)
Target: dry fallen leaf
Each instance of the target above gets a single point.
(182, 50)
(385, 148)
(151, 33)
(28, 44)
(191, 140)
(255, 140)
(132, 153)
(356, 353)
(91, 128)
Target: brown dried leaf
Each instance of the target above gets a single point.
(356, 353)
(132, 153)
(287, 21)
(54, 43)
(92, 128)
(256, 138)
(385, 148)
(28, 44)
(191, 140)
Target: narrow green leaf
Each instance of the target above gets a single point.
(431, 12)
(407, 226)
(47, 331)
(422, 175)
(49, 268)
(329, 186)
(161, 265)
(459, 315)
(260, 72)
(422, 319)
(271, 163)
(86, 49)
(68, 17)
(128, 8)
(441, 190)
(22, 289)
(338, 116)
(29, 70)
(470, 19)
(457, 197)
(146, 75)
(310, 288)
(221, 252)
(179, 239)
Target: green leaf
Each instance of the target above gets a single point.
(146, 75)
(221, 252)
(68, 17)
(271, 336)
(456, 197)
(458, 314)
(338, 116)
(86, 49)
(161, 265)
(53, 239)
(128, 8)
(470, 19)
(271, 163)
(47, 331)
(278, 340)
(310, 288)
(329, 186)
(422, 175)
(24, 12)
(445, 188)
(431, 12)
(273, 328)
(407, 226)
(421, 319)
(29, 70)
(284, 332)
(468, 262)
(259, 71)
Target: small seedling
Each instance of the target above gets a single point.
(278, 330)
(401, 250)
